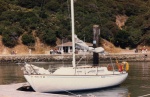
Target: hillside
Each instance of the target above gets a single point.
(39, 25)
(44, 49)
(41, 48)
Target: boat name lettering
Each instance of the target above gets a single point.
(38, 76)
(92, 71)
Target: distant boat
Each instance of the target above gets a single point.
(73, 78)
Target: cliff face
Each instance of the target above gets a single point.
(120, 20)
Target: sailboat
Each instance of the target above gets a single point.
(74, 78)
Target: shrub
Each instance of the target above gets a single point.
(148, 40)
(29, 3)
(28, 39)
(3, 6)
(122, 39)
(107, 34)
(134, 37)
(49, 37)
(2, 29)
(9, 38)
(53, 5)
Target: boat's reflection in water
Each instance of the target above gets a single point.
(108, 92)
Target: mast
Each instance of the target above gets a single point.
(73, 32)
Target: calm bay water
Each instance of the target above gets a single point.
(137, 83)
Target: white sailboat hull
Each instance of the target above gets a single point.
(60, 83)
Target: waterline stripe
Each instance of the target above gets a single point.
(144, 95)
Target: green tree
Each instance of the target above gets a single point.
(28, 39)
(2, 29)
(52, 5)
(9, 38)
(148, 40)
(29, 3)
(86, 33)
(134, 38)
(107, 34)
(131, 9)
(122, 39)
(29, 20)
(3, 6)
(49, 37)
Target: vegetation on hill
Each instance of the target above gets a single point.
(50, 19)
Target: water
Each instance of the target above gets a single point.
(136, 85)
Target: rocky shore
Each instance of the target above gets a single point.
(68, 57)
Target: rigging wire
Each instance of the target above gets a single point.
(62, 50)
(83, 19)
(68, 6)
(62, 53)
(83, 31)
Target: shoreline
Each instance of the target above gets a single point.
(68, 57)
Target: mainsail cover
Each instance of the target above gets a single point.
(84, 46)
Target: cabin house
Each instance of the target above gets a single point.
(67, 47)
